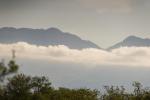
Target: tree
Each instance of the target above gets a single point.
(40, 84)
(6, 70)
(137, 88)
(41, 88)
(114, 93)
(18, 87)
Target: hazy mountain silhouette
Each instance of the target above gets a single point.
(51, 36)
(132, 41)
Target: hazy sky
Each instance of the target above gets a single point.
(104, 22)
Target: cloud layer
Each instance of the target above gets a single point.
(126, 56)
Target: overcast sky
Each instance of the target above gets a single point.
(104, 22)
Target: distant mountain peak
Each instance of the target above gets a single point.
(53, 29)
(132, 37)
(131, 41)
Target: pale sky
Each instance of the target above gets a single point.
(104, 22)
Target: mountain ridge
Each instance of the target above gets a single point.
(50, 36)
(131, 41)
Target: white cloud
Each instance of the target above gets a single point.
(126, 56)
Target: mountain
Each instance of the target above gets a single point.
(132, 41)
(51, 36)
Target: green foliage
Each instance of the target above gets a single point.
(18, 87)
(22, 87)
(74, 94)
(114, 93)
(6, 70)
(13, 67)
(40, 85)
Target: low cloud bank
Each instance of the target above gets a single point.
(125, 56)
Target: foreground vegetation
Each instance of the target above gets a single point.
(22, 87)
